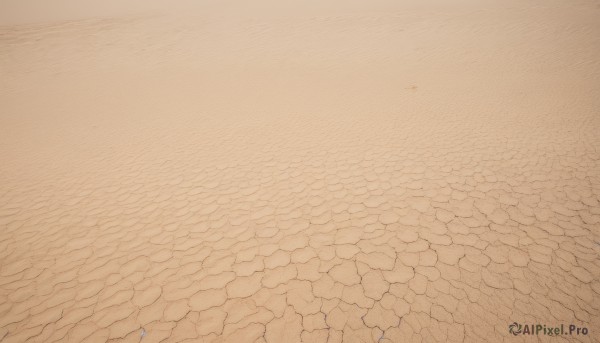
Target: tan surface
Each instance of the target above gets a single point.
(426, 171)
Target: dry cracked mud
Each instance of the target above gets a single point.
(376, 172)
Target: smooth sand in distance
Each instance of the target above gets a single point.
(251, 171)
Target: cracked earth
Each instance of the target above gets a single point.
(373, 172)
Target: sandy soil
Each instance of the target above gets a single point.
(377, 171)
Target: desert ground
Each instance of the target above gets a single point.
(299, 171)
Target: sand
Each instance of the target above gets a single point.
(356, 171)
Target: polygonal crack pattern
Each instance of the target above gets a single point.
(410, 227)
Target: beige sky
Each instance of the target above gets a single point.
(43, 11)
